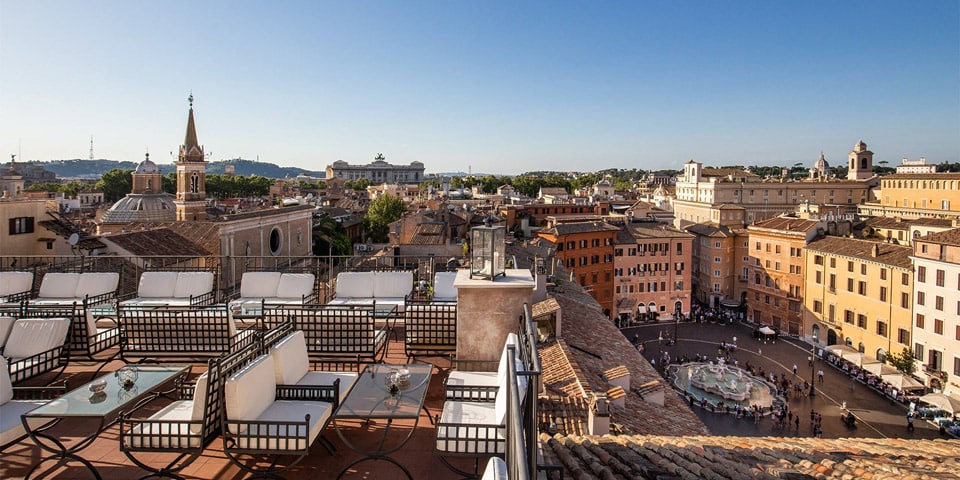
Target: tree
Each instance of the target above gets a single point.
(329, 237)
(382, 212)
(903, 361)
(115, 184)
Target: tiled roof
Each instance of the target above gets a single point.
(205, 235)
(157, 242)
(591, 345)
(553, 191)
(428, 234)
(894, 255)
(563, 415)
(655, 230)
(580, 227)
(624, 237)
(709, 230)
(906, 223)
(922, 176)
(640, 457)
(723, 172)
(787, 224)
(947, 237)
(544, 307)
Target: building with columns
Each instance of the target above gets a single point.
(378, 171)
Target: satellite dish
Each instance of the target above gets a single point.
(74, 239)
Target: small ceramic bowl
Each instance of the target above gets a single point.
(98, 386)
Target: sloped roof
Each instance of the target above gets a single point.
(894, 223)
(428, 234)
(922, 176)
(579, 227)
(553, 191)
(157, 242)
(647, 456)
(723, 172)
(205, 235)
(947, 237)
(894, 255)
(710, 230)
(788, 224)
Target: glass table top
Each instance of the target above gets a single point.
(83, 402)
(370, 396)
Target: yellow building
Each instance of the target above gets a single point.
(859, 292)
(24, 233)
(913, 195)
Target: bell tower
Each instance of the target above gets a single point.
(191, 166)
(860, 162)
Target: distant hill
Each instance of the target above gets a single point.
(77, 168)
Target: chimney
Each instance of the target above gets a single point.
(598, 417)
(875, 251)
(617, 397)
(618, 377)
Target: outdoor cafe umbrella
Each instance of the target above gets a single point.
(766, 330)
(901, 381)
(881, 369)
(944, 402)
(853, 357)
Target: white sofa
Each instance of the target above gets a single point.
(66, 288)
(292, 366)
(443, 289)
(250, 395)
(15, 286)
(179, 425)
(11, 428)
(366, 288)
(178, 289)
(477, 385)
(274, 288)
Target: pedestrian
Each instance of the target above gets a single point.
(759, 352)
(820, 375)
(794, 368)
(853, 383)
(809, 361)
(796, 423)
(909, 421)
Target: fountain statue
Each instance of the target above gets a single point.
(722, 382)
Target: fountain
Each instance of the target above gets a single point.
(721, 382)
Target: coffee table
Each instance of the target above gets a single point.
(104, 408)
(371, 399)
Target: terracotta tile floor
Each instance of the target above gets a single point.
(416, 455)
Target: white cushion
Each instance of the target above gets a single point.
(295, 285)
(259, 284)
(290, 358)
(193, 284)
(355, 285)
(459, 378)
(11, 427)
(30, 336)
(327, 378)
(290, 410)
(59, 285)
(15, 282)
(392, 284)
(97, 283)
(249, 392)
(157, 284)
(176, 434)
(496, 469)
(6, 387)
(6, 323)
(512, 340)
(481, 416)
(443, 286)
(199, 401)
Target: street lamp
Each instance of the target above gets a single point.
(813, 367)
(678, 307)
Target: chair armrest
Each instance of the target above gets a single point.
(319, 393)
(92, 301)
(205, 299)
(470, 393)
(16, 297)
(266, 436)
(310, 299)
(36, 364)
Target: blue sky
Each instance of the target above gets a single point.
(499, 87)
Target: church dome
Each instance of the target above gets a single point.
(156, 207)
(147, 166)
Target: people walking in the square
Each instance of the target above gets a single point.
(820, 375)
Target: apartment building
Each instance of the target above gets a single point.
(902, 231)
(652, 271)
(915, 195)
(775, 277)
(719, 254)
(860, 292)
(936, 309)
(586, 249)
(533, 216)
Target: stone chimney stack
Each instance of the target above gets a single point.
(875, 251)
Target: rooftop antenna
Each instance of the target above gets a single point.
(91, 147)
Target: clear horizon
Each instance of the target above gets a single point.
(496, 87)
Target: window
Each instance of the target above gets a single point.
(903, 336)
(833, 263)
(863, 269)
(276, 241)
(571, 245)
(833, 282)
(849, 284)
(922, 274)
(831, 312)
(777, 249)
(881, 328)
(921, 298)
(883, 274)
(776, 266)
(938, 326)
(817, 259)
(716, 288)
(904, 300)
(956, 360)
(904, 279)
(958, 332)
(850, 266)
(757, 248)
(862, 288)
(716, 259)
(21, 225)
(716, 273)
(941, 277)
(920, 320)
(883, 294)
(918, 350)
(766, 299)
(862, 321)
(817, 306)
(819, 278)
(848, 317)
(938, 303)
(596, 242)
